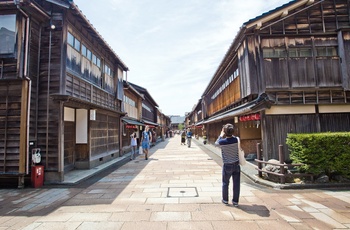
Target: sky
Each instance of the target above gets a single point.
(172, 47)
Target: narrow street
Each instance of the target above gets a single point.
(177, 188)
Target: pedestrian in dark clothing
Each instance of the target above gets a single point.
(231, 168)
(189, 135)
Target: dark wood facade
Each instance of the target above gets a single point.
(142, 111)
(287, 71)
(133, 120)
(61, 88)
(149, 106)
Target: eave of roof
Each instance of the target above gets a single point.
(80, 13)
(278, 12)
(145, 92)
(259, 104)
(28, 6)
(131, 88)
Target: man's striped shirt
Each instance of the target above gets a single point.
(229, 149)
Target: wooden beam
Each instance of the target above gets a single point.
(23, 127)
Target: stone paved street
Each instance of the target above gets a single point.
(177, 188)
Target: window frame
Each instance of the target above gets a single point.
(12, 54)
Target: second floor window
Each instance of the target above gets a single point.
(300, 52)
(73, 41)
(129, 101)
(7, 34)
(96, 61)
(274, 53)
(295, 52)
(86, 52)
(328, 51)
(146, 107)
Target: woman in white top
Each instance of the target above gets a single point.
(133, 145)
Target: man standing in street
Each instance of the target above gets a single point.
(231, 168)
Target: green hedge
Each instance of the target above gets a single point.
(322, 153)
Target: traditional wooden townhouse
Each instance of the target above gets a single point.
(164, 124)
(286, 71)
(61, 90)
(194, 120)
(132, 121)
(149, 108)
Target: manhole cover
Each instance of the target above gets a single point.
(182, 192)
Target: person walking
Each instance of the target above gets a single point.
(145, 140)
(133, 144)
(183, 137)
(189, 137)
(231, 168)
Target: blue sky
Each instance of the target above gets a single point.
(172, 47)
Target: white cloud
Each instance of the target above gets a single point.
(172, 48)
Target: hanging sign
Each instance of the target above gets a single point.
(250, 117)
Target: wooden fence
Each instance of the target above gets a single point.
(283, 172)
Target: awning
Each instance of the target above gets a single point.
(150, 124)
(132, 122)
(199, 123)
(261, 103)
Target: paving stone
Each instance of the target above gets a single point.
(144, 225)
(336, 216)
(100, 225)
(327, 220)
(193, 225)
(54, 226)
(273, 225)
(130, 216)
(182, 207)
(217, 215)
(220, 225)
(171, 216)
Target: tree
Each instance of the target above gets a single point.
(180, 126)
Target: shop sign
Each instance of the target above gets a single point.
(250, 117)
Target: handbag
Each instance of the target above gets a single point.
(241, 154)
(140, 150)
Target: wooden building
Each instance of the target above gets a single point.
(286, 71)
(141, 110)
(194, 120)
(61, 90)
(149, 109)
(132, 122)
(164, 123)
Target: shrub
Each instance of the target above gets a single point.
(322, 153)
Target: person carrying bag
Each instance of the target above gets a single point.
(230, 146)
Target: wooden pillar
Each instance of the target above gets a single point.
(24, 130)
(258, 155)
(281, 158)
